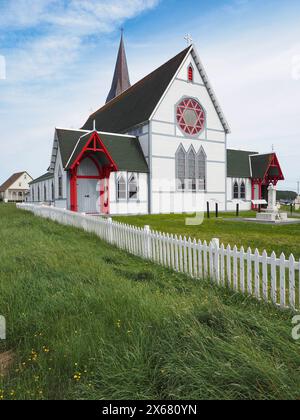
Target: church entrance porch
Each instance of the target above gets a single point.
(270, 171)
(89, 176)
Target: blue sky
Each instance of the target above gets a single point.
(60, 57)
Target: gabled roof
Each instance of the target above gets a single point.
(124, 150)
(121, 81)
(238, 163)
(136, 104)
(10, 181)
(45, 177)
(261, 164)
(245, 164)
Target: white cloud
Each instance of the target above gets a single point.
(78, 15)
(65, 28)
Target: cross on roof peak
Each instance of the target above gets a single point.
(189, 39)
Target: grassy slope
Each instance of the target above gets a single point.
(272, 238)
(75, 305)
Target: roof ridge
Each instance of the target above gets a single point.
(117, 98)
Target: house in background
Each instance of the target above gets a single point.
(16, 188)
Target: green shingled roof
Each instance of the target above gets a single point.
(136, 104)
(238, 163)
(260, 165)
(44, 177)
(124, 150)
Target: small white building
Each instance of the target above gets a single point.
(16, 188)
(159, 146)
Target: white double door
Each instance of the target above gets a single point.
(88, 196)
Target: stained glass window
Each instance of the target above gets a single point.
(180, 168)
(201, 170)
(190, 116)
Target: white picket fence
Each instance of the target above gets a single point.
(272, 279)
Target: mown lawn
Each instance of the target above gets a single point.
(86, 321)
(269, 237)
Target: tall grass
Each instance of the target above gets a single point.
(87, 321)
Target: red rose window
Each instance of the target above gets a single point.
(190, 116)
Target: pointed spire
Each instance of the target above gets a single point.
(121, 81)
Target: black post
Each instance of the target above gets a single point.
(208, 211)
(217, 210)
(237, 210)
(291, 208)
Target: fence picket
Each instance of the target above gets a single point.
(282, 281)
(205, 262)
(257, 274)
(235, 268)
(273, 278)
(292, 284)
(228, 254)
(249, 272)
(222, 267)
(195, 267)
(200, 259)
(211, 261)
(242, 269)
(265, 275)
(190, 257)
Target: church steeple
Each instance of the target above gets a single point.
(121, 81)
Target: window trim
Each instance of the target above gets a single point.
(130, 176)
(52, 192)
(60, 184)
(243, 196)
(190, 71)
(200, 153)
(236, 184)
(118, 178)
(188, 179)
(177, 179)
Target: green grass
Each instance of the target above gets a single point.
(88, 321)
(272, 238)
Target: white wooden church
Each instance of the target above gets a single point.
(159, 146)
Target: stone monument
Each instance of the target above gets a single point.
(297, 203)
(272, 214)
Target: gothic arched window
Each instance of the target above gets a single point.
(52, 191)
(60, 184)
(191, 169)
(133, 187)
(190, 73)
(180, 168)
(201, 170)
(243, 191)
(121, 188)
(236, 191)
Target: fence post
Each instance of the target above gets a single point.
(147, 242)
(216, 244)
(110, 230)
(208, 210)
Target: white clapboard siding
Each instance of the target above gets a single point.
(275, 280)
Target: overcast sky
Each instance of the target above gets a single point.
(60, 58)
